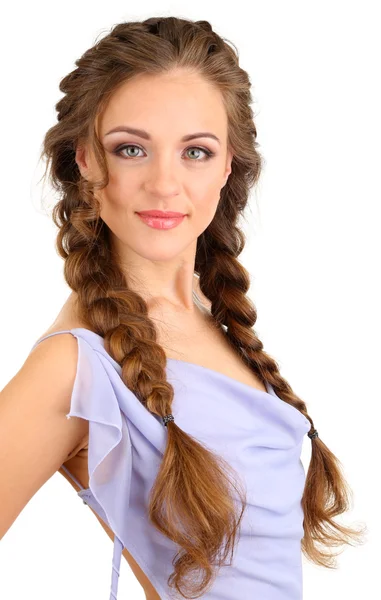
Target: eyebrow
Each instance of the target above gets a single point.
(143, 134)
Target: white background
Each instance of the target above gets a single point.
(313, 251)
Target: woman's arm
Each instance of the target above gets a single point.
(35, 435)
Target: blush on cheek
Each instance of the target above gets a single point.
(116, 199)
(208, 204)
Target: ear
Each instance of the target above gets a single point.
(228, 169)
(81, 158)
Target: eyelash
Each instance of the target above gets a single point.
(209, 153)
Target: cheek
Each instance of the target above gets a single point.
(204, 202)
(122, 185)
(117, 197)
(116, 207)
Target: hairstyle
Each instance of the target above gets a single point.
(193, 499)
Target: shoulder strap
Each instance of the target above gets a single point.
(49, 335)
(72, 477)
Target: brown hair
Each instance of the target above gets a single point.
(193, 498)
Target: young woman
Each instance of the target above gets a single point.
(151, 392)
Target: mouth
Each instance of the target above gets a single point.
(160, 222)
(162, 214)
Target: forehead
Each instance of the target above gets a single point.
(172, 103)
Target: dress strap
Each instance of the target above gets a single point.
(49, 335)
(72, 477)
(117, 555)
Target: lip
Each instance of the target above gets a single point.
(160, 213)
(161, 222)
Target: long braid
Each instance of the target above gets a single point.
(225, 282)
(108, 307)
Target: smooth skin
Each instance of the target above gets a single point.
(164, 174)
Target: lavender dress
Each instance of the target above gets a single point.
(256, 432)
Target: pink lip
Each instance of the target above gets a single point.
(161, 222)
(160, 213)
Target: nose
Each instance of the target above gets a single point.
(162, 178)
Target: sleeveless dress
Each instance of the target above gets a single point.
(256, 432)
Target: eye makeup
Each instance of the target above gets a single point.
(118, 152)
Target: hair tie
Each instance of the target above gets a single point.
(167, 418)
(314, 434)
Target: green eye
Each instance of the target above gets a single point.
(118, 152)
(208, 153)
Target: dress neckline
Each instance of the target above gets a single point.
(187, 363)
(249, 390)
(221, 377)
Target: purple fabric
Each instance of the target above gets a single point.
(256, 432)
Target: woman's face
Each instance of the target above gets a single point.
(162, 172)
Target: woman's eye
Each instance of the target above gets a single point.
(118, 151)
(207, 153)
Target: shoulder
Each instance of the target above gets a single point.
(56, 357)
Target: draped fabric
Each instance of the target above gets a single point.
(257, 433)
